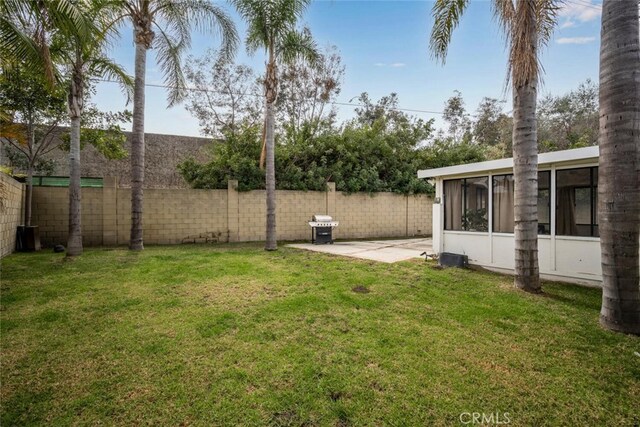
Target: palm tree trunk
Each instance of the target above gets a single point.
(271, 93)
(75, 100)
(525, 173)
(618, 177)
(28, 195)
(137, 149)
(270, 179)
(30, 165)
(74, 241)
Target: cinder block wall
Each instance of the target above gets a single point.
(11, 193)
(50, 211)
(180, 215)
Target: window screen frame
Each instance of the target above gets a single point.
(486, 198)
(593, 192)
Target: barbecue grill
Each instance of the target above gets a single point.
(322, 229)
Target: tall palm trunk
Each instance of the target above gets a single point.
(29, 190)
(74, 240)
(28, 195)
(524, 74)
(270, 178)
(137, 148)
(272, 243)
(618, 176)
(525, 173)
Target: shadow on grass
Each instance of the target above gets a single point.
(573, 295)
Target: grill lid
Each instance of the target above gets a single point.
(323, 224)
(321, 218)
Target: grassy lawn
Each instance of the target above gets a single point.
(232, 335)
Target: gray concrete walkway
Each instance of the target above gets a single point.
(388, 251)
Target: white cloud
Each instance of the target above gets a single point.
(582, 11)
(575, 40)
(567, 24)
(392, 65)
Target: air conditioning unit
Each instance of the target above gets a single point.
(448, 259)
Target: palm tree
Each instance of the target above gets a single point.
(164, 25)
(26, 28)
(272, 27)
(83, 56)
(527, 26)
(618, 178)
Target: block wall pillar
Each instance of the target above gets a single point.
(109, 211)
(331, 199)
(233, 211)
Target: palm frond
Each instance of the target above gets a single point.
(171, 15)
(16, 45)
(256, 14)
(446, 14)
(69, 16)
(296, 45)
(26, 26)
(169, 52)
(206, 18)
(106, 68)
(257, 37)
(269, 20)
(523, 43)
(504, 12)
(547, 15)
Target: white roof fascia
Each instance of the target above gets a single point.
(576, 154)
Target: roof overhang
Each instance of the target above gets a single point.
(576, 155)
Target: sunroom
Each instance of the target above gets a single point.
(473, 214)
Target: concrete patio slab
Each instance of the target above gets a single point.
(388, 251)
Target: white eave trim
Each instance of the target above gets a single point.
(576, 154)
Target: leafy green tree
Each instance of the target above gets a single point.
(492, 129)
(307, 91)
(357, 159)
(527, 26)
(236, 156)
(226, 95)
(570, 120)
(34, 119)
(385, 108)
(456, 116)
(444, 152)
(103, 130)
(163, 25)
(30, 112)
(360, 157)
(272, 27)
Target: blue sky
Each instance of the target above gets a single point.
(384, 46)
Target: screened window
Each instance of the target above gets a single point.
(503, 202)
(544, 202)
(465, 204)
(577, 201)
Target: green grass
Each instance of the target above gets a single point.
(234, 335)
